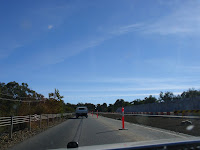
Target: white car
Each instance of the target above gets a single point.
(81, 111)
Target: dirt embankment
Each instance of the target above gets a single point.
(173, 124)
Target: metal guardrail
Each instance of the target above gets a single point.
(13, 120)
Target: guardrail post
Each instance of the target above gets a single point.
(29, 123)
(11, 127)
(47, 120)
(40, 121)
(52, 118)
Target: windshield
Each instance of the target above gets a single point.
(98, 72)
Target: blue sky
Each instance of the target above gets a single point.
(99, 51)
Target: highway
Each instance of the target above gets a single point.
(93, 131)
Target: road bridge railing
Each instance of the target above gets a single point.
(192, 114)
(14, 120)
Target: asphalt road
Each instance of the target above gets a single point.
(93, 131)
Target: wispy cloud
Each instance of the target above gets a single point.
(193, 69)
(136, 80)
(96, 99)
(36, 26)
(184, 20)
(50, 27)
(156, 88)
(124, 95)
(47, 56)
(137, 88)
(66, 51)
(134, 84)
(8, 49)
(115, 95)
(127, 28)
(78, 47)
(172, 3)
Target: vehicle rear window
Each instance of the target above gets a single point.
(81, 108)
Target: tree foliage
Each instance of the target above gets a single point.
(166, 97)
(150, 99)
(19, 99)
(16, 99)
(191, 93)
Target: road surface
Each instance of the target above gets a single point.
(93, 131)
